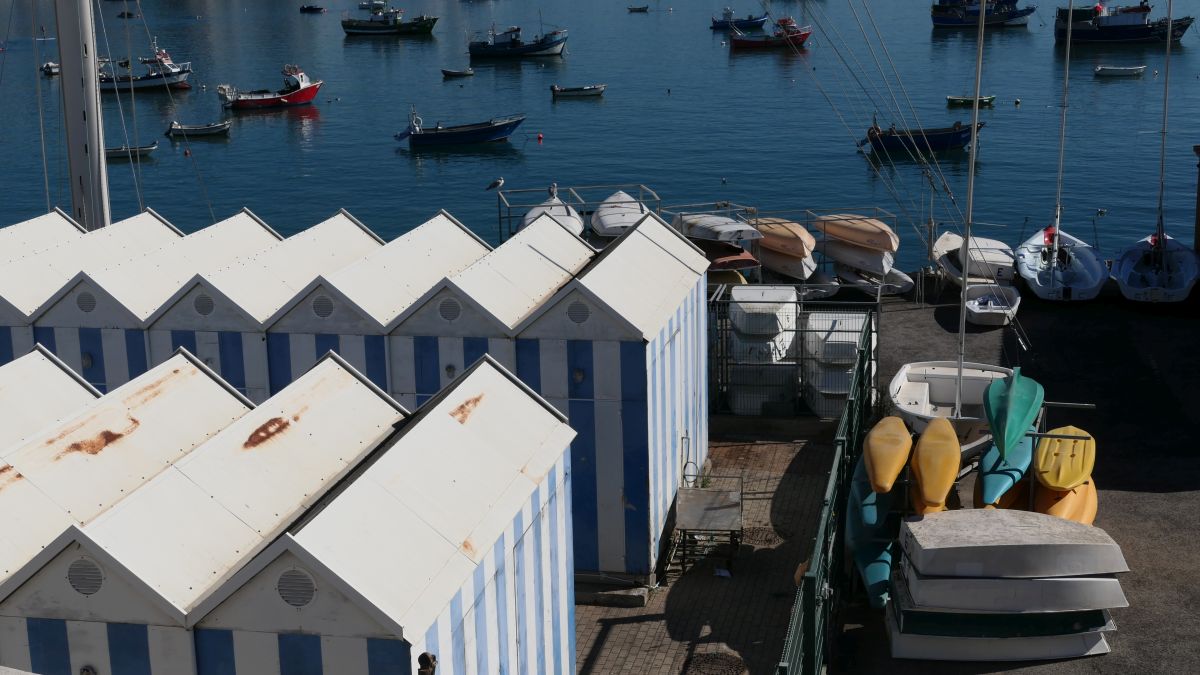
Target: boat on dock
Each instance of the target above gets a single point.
(161, 71)
(130, 152)
(617, 213)
(297, 90)
(917, 141)
(556, 208)
(508, 44)
(586, 91)
(452, 74)
(854, 256)
(490, 131)
(787, 34)
(894, 282)
(1119, 71)
(177, 130)
(1058, 266)
(964, 101)
(992, 304)
(729, 22)
(714, 227)
(991, 260)
(786, 264)
(389, 22)
(965, 13)
(1114, 24)
(862, 231)
(726, 256)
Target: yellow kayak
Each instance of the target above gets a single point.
(885, 452)
(1079, 504)
(935, 463)
(1063, 463)
(921, 508)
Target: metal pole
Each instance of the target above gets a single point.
(1160, 243)
(81, 112)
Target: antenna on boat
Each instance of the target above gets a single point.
(82, 114)
(964, 253)
(1159, 243)
(1062, 143)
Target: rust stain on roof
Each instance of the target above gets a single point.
(463, 412)
(154, 388)
(5, 479)
(96, 444)
(266, 431)
(467, 547)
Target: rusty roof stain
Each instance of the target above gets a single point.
(6, 480)
(463, 412)
(96, 444)
(267, 430)
(467, 547)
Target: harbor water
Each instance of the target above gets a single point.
(682, 115)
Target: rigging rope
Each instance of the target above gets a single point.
(120, 110)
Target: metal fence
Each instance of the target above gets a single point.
(813, 626)
(774, 354)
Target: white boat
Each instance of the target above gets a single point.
(1119, 71)
(50, 69)
(587, 91)
(992, 304)
(161, 71)
(1149, 273)
(857, 257)
(859, 230)
(763, 310)
(1039, 594)
(714, 227)
(992, 261)
(617, 213)
(924, 390)
(819, 286)
(559, 210)
(787, 265)
(1074, 273)
(894, 282)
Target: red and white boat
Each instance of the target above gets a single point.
(297, 90)
(787, 34)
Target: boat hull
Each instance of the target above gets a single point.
(861, 231)
(301, 96)
(144, 81)
(752, 42)
(492, 133)
(748, 23)
(1152, 32)
(617, 213)
(992, 261)
(992, 305)
(999, 473)
(185, 131)
(854, 256)
(885, 452)
(956, 17)
(421, 25)
(1165, 275)
(483, 50)
(921, 140)
(867, 535)
(924, 390)
(1118, 71)
(1081, 278)
(564, 213)
(895, 282)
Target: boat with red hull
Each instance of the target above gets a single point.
(297, 90)
(787, 34)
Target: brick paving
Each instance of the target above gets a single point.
(700, 623)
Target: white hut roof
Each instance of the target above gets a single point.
(37, 390)
(513, 280)
(33, 236)
(73, 471)
(197, 523)
(27, 283)
(434, 503)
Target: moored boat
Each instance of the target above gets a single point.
(130, 152)
(787, 34)
(965, 13)
(177, 130)
(917, 141)
(495, 129)
(389, 22)
(312, 9)
(161, 71)
(590, 90)
(508, 44)
(50, 69)
(641, 9)
(451, 74)
(297, 90)
(962, 101)
(729, 22)
(1117, 24)
(617, 213)
(1119, 71)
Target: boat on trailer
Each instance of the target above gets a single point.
(297, 90)
(493, 130)
(177, 130)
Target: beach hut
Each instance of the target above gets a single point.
(28, 281)
(103, 310)
(139, 571)
(453, 542)
(35, 235)
(351, 310)
(475, 311)
(623, 354)
(219, 315)
(37, 390)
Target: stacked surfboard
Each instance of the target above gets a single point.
(830, 348)
(1003, 585)
(863, 250)
(763, 371)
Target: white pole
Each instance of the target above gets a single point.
(81, 112)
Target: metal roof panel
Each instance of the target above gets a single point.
(35, 235)
(37, 390)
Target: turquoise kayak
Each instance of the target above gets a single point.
(999, 473)
(867, 535)
(1011, 405)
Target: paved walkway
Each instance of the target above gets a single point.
(699, 623)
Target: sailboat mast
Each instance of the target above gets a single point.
(81, 112)
(1162, 152)
(1062, 140)
(964, 253)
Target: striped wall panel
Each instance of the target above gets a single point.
(419, 364)
(105, 357)
(59, 647)
(292, 354)
(235, 652)
(240, 358)
(15, 342)
(515, 615)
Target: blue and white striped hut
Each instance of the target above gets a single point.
(220, 315)
(621, 350)
(36, 391)
(475, 311)
(124, 588)
(28, 281)
(453, 541)
(104, 310)
(352, 310)
(35, 235)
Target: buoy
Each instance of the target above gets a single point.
(1017, 102)
(723, 180)
(187, 153)
(539, 138)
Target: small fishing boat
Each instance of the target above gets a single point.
(564, 213)
(130, 152)
(389, 22)
(1129, 24)
(312, 9)
(1060, 267)
(725, 256)
(894, 282)
(1119, 71)
(372, 4)
(451, 74)
(854, 256)
(508, 44)
(591, 90)
(991, 304)
(177, 130)
(714, 227)
(787, 34)
(992, 261)
(965, 13)
(644, 9)
(861, 231)
(617, 213)
(1011, 406)
(964, 101)
(161, 71)
(297, 90)
(918, 141)
(796, 267)
(495, 129)
(50, 69)
(729, 22)
(924, 390)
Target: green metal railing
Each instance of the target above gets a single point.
(812, 625)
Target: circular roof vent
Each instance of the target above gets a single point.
(296, 587)
(86, 301)
(322, 306)
(85, 576)
(203, 304)
(449, 309)
(578, 312)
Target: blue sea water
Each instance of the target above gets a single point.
(682, 115)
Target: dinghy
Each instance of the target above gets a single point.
(1011, 406)
(924, 390)
(1148, 272)
(992, 305)
(787, 265)
(1064, 463)
(894, 282)
(885, 452)
(991, 260)
(1119, 71)
(1066, 270)
(819, 286)
(559, 210)
(1050, 594)
(856, 257)
(861, 231)
(617, 213)
(785, 236)
(999, 473)
(935, 462)
(715, 227)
